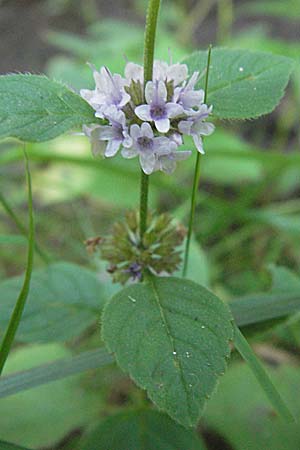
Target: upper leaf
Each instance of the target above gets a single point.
(242, 84)
(141, 430)
(34, 108)
(172, 336)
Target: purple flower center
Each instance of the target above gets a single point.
(158, 112)
(145, 143)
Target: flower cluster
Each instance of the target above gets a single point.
(158, 254)
(147, 122)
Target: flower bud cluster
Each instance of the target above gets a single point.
(147, 122)
(158, 253)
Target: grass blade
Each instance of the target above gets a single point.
(261, 375)
(56, 370)
(20, 304)
(9, 446)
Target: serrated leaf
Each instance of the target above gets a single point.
(34, 108)
(141, 430)
(242, 84)
(172, 337)
(64, 299)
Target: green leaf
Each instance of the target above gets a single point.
(242, 84)
(43, 416)
(12, 239)
(141, 430)
(243, 416)
(261, 375)
(8, 446)
(172, 337)
(34, 108)
(64, 299)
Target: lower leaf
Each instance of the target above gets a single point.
(172, 337)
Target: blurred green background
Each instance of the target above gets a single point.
(248, 215)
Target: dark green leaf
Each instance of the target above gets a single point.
(34, 108)
(141, 430)
(172, 337)
(242, 84)
(64, 299)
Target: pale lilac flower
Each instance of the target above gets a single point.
(167, 163)
(134, 72)
(93, 133)
(157, 108)
(187, 96)
(196, 127)
(162, 71)
(116, 134)
(147, 146)
(109, 91)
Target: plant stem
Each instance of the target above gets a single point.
(195, 183)
(15, 318)
(21, 227)
(143, 203)
(149, 42)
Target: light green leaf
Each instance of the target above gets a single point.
(252, 423)
(141, 430)
(12, 239)
(34, 108)
(64, 299)
(198, 268)
(43, 416)
(261, 375)
(242, 84)
(172, 337)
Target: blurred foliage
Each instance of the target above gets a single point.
(248, 217)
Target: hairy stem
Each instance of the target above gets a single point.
(195, 185)
(150, 31)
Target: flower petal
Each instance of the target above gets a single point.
(198, 143)
(112, 147)
(147, 162)
(146, 130)
(135, 131)
(162, 125)
(129, 153)
(143, 112)
(174, 110)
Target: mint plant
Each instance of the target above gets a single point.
(171, 335)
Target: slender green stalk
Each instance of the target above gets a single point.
(143, 203)
(195, 183)
(20, 304)
(261, 375)
(21, 227)
(150, 32)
